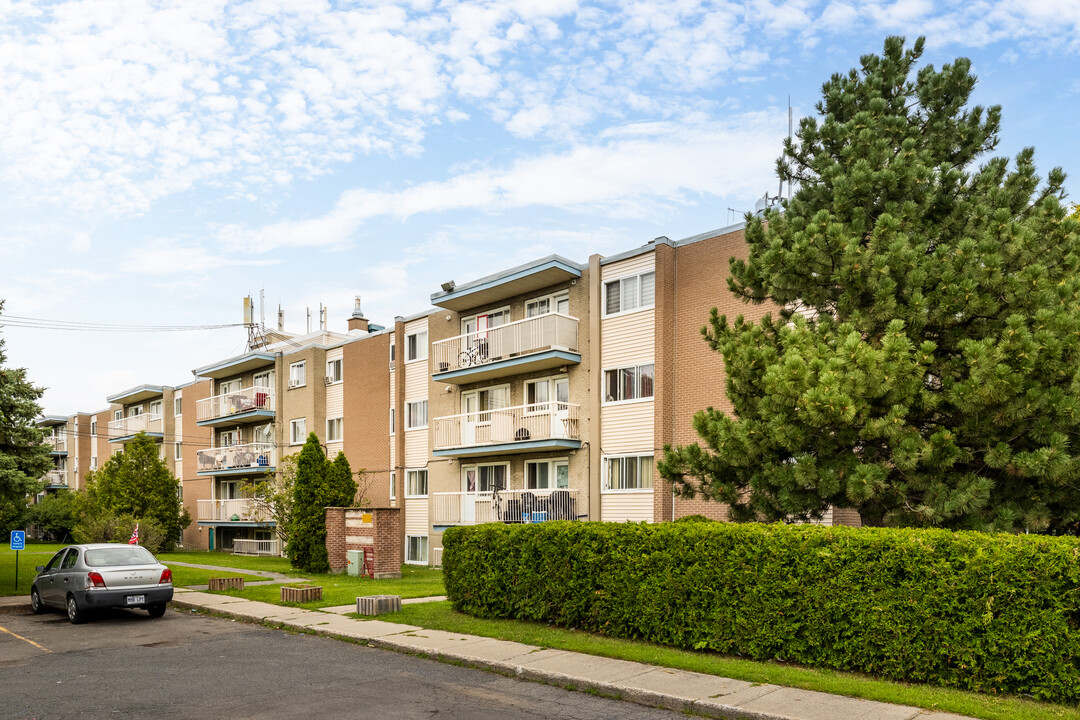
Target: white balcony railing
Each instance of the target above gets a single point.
(56, 477)
(553, 331)
(233, 403)
(241, 510)
(232, 457)
(255, 547)
(58, 442)
(507, 506)
(135, 424)
(540, 421)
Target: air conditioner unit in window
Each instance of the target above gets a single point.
(295, 383)
(329, 380)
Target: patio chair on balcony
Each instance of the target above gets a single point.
(561, 506)
(207, 462)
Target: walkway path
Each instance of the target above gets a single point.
(691, 692)
(273, 578)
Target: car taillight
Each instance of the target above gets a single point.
(94, 580)
(166, 576)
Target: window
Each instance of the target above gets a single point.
(155, 409)
(333, 430)
(392, 427)
(416, 549)
(629, 473)
(416, 483)
(479, 403)
(628, 383)
(417, 415)
(484, 478)
(539, 393)
(178, 451)
(70, 559)
(630, 293)
(178, 405)
(118, 414)
(263, 379)
(298, 431)
(228, 438)
(544, 474)
(560, 303)
(475, 325)
(393, 485)
(298, 374)
(416, 346)
(93, 426)
(393, 347)
(93, 462)
(333, 371)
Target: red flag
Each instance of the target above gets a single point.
(134, 536)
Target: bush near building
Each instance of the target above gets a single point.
(993, 613)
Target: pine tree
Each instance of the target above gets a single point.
(924, 367)
(306, 547)
(137, 482)
(24, 458)
(340, 485)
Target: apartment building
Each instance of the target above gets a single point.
(544, 391)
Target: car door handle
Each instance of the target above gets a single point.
(65, 580)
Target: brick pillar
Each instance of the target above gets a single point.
(335, 538)
(389, 548)
(664, 368)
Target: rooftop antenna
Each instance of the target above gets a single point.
(322, 317)
(308, 319)
(262, 309)
(280, 319)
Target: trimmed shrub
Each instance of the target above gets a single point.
(990, 613)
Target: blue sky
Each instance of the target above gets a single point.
(160, 161)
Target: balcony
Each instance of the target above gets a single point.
(124, 429)
(251, 404)
(255, 547)
(536, 343)
(58, 442)
(508, 431)
(56, 479)
(249, 459)
(242, 510)
(506, 506)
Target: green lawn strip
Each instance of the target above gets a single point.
(186, 576)
(344, 589)
(440, 616)
(240, 562)
(35, 554)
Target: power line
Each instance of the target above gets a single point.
(71, 325)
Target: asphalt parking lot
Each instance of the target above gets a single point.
(187, 665)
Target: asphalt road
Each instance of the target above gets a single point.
(186, 665)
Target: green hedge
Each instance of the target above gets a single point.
(992, 613)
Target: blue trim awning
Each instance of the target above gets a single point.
(249, 416)
(126, 438)
(257, 470)
(538, 274)
(513, 448)
(510, 366)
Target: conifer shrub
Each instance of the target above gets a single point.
(993, 613)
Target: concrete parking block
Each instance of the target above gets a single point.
(809, 705)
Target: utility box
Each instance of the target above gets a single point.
(355, 562)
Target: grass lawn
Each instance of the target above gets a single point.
(440, 616)
(35, 554)
(223, 559)
(185, 576)
(415, 581)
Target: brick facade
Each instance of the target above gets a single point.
(351, 529)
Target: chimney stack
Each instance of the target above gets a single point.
(357, 322)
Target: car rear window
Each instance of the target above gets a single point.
(120, 555)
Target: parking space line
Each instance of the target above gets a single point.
(39, 647)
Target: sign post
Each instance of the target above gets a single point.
(18, 542)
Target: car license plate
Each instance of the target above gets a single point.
(136, 599)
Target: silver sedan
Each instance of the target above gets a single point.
(85, 578)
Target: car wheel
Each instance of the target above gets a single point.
(156, 611)
(35, 602)
(75, 613)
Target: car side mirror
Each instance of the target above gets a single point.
(39, 568)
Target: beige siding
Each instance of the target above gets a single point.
(627, 428)
(628, 339)
(638, 264)
(416, 516)
(416, 381)
(416, 448)
(623, 506)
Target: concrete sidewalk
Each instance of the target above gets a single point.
(690, 692)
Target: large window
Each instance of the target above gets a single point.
(178, 451)
(416, 346)
(559, 303)
(298, 431)
(416, 547)
(538, 393)
(477, 324)
(485, 478)
(93, 426)
(416, 483)
(629, 473)
(178, 404)
(547, 474)
(333, 430)
(298, 374)
(628, 383)
(630, 293)
(333, 371)
(417, 415)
